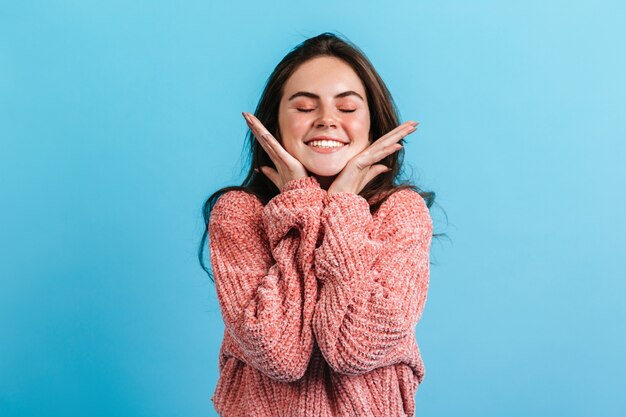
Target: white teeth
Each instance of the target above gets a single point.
(326, 143)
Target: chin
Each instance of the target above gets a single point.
(324, 172)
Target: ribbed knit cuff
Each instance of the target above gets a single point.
(304, 182)
(298, 205)
(346, 253)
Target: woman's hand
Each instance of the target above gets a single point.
(287, 167)
(361, 169)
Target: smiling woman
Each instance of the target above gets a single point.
(333, 110)
(321, 259)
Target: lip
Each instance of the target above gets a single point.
(325, 138)
(326, 150)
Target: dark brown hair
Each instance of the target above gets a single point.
(383, 114)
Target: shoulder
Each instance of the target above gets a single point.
(406, 206)
(237, 205)
(405, 199)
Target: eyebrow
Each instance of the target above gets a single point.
(315, 96)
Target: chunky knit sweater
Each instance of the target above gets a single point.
(320, 300)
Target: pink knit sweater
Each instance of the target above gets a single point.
(320, 300)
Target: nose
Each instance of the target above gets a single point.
(326, 119)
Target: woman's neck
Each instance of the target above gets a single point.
(325, 182)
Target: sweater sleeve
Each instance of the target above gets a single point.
(262, 266)
(373, 290)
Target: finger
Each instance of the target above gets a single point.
(396, 134)
(257, 128)
(387, 144)
(375, 171)
(386, 151)
(256, 131)
(399, 128)
(376, 153)
(271, 145)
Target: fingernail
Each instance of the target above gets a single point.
(256, 170)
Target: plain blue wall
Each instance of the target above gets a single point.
(118, 119)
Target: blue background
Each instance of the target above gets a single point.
(118, 119)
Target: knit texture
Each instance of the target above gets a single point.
(320, 301)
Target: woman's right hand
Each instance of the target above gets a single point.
(287, 167)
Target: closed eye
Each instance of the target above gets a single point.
(310, 110)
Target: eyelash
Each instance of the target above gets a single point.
(310, 110)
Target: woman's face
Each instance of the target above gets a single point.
(324, 97)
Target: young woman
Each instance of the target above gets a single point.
(321, 260)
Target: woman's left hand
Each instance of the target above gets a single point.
(360, 170)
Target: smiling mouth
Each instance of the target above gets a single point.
(326, 144)
(324, 149)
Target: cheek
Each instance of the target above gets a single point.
(358, 126)
(292, 130)
(289, 127)
(295, 124)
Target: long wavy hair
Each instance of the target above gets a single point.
(383, 118)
